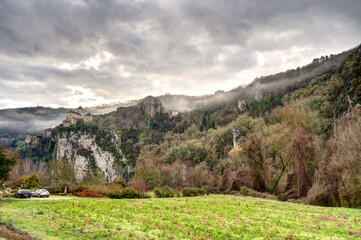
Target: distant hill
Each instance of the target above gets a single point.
(30, 119)
(35, 119)
(19, 121)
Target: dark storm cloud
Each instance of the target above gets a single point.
(86, 50)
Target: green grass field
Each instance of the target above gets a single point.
(208, 217)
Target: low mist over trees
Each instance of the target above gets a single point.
(299, 141)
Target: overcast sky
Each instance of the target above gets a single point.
(87, 52)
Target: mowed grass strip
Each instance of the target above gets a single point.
(208, 217)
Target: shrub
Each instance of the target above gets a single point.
(199, 175)
(166, 174)
(237, 184)
(55, 189)
(226, 178)
(338, 183)
(192, 192)
(290, 194)
(87, 193)
(177, 191)
(78, 188)
(107, 189)
(149, 173)
(59, 190)
(31, 181)
(245, 191)
(157, 192)
(127, 193)
(6, 192)
(242, 179)
(208, 188)
(15, 182)
(138, 186)
(119, 181)
(164, 192)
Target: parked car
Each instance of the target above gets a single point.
(40, 193)
(23, 193)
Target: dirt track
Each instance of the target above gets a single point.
(52, 197)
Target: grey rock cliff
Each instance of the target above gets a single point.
(151, 105)
(71, 148)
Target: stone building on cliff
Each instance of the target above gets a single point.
(72, 116)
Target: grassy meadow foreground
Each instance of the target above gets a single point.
(208, 217)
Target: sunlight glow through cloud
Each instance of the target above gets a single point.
(122, 50)
(92, 62)
(80, 96)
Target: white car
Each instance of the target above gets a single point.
(40, 193)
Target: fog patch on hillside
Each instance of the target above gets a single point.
(28, 125)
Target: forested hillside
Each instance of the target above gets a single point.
(287, 143)
(296, 135)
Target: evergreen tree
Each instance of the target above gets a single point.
(7, 160)
(31, 181)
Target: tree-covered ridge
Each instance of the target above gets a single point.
(285, 142)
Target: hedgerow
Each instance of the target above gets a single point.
(192, 192)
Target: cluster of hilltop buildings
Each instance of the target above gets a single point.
(76, 114)
(72, 116)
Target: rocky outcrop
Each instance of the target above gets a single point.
(33, 138)
(87, 157)
(236, 131)
(151, 105)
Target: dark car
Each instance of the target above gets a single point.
(23, 193)
(40, 193)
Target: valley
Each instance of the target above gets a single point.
(208, 217)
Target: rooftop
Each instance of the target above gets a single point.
(74, 112)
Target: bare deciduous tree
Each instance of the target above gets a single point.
(303, 151)
(254, 148)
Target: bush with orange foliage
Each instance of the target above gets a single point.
(138, 186)
(88, 193)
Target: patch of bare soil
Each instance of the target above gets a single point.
(13, 235)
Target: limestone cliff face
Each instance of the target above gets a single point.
(151, 105)
(82, 152)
